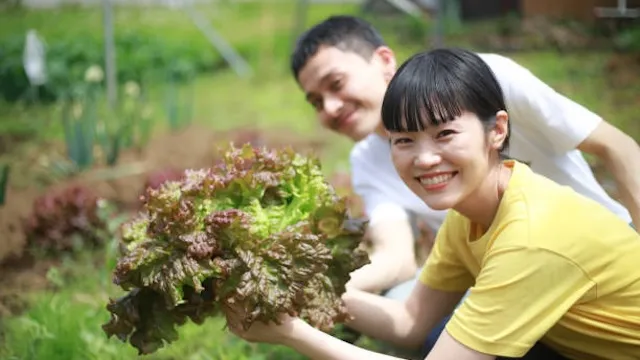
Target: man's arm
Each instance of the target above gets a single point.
(392, 257)
(621, 156)
(560, 125)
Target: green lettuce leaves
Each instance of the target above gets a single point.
(262, 230)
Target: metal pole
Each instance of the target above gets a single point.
(241, 67)
(437, 39)
(109, 53)
(300, 20)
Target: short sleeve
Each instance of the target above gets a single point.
(377, 205)
(541, 112)
(444, 269)
(519, 295)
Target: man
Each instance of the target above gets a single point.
(343, 66)
(509, 232)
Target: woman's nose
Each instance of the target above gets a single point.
(427, 159)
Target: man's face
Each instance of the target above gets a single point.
(346, 90)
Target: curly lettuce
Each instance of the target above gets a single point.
(262, 230)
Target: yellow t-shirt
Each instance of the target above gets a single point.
(554, 265)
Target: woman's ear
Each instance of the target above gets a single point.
(500, 132)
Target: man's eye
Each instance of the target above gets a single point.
(336, 84)
(317, 104)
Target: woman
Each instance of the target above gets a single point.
(549, 273)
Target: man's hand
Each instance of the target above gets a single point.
(393, 259)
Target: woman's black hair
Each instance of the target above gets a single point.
(434, 87)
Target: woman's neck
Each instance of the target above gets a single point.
(482, 205)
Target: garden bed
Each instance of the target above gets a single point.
(165, 157)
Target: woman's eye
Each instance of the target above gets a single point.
(400, 141)
(445, 133)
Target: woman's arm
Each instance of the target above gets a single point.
(404, 324)
(316, 344)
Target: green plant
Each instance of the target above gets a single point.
(141, 58)
(4, 182)
(628, 39)
(134, 120)
(179, 105)
(79, 132)
(262, 231)
(87, 128)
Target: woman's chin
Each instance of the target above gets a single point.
(438, 204)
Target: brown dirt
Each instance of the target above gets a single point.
(193, 147)
(623, 69)
(537, 33)
(19, 277)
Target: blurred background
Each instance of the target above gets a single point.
(101, 99)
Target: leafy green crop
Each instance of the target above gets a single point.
(264, 231)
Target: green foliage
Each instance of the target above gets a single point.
(4, 181)
(628, 39)
(263, 231)
(65, 325)
(79, 133)
(141, 58)
(89, 128)
(178, 105)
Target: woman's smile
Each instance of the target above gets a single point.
(436, 181)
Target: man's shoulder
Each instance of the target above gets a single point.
(497, 62)
(368, 149)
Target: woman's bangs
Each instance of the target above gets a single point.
(413, 106)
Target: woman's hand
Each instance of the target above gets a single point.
(258, 331)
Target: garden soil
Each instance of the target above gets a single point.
(164, 157)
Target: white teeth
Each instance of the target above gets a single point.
(436, 179)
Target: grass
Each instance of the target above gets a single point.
(580, 77)
(64, 323)
(221, 99)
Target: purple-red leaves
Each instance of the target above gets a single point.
(263, 230)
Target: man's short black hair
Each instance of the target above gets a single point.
(347, 33)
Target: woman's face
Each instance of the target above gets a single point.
(445, 164)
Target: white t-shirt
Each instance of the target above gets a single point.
(546, 128)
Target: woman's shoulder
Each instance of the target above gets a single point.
(550, 211)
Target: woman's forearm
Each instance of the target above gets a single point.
(402, 323)
(383, 319)
(318, 345)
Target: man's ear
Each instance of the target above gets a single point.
(501, 130)
(387, 60)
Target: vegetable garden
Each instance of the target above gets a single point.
(80, 180)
